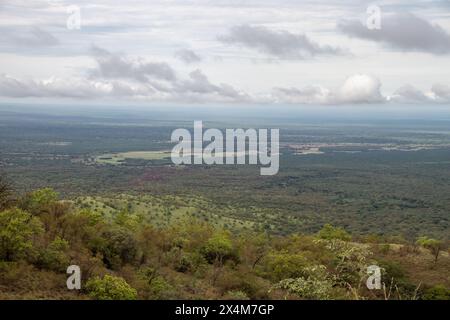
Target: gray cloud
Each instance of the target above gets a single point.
(118, 76)
(409, 94)
(197, 88)
(61, 88)
(29, 37)
(441, 92)
(113, 65)
(403, 31)
(280, 44)
(198, 83)
(306, 95)
(188, 56)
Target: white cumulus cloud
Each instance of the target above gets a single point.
(358, 88)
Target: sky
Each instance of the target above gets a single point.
(325, 52)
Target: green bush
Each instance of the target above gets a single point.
(55, 257)
(17, 230)
(110, 288)
(118, 247)
(236, 295)
(438, 292)
(315, 285)
(40, 199)
(281, 265)
(219, 248)
(328, 232)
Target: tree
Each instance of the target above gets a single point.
(328, 232)
(282, 264)
(44, 197)
(40, 200)
(315, 284)
(435, 246)
(219, 248)
(55, 257)
(17, 229)
(118, 247)
(5, 192)
(110, 288)
(350, 261)
(254, 247)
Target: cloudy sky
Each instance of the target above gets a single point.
(217, 51)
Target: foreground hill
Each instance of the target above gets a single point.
(173, 248)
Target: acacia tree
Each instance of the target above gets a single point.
(217, 250)
(435, 246)
(328, 232)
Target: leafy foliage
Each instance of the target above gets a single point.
(438, 292)
(5, 192)
(435, 246)
(17, 230)
(55, 257)
(110, 288)
(219, 248)
(126, 256)
(315, 284)
(328, 232)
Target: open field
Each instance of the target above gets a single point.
(118, 158)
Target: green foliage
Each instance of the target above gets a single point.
(55, 257)
(350, 261)
(92, 216)
(219, 248)
(41, 199)
(5, 192)
(184, 264)
(328, 232)
(127, 220)
(315, 284)
(236, 295)
(159, 289)
(110, 288)
(428, 242)
(118, 247)
(438, 292)
(188, 258)
(17, 230)
(281, 265)
(435, 246)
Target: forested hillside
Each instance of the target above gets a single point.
(126, 253)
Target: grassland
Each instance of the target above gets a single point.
(119, 158)
(165, 210)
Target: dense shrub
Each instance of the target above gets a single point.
(328, 232)
(55, 257)
(110, 288)
(17, 230)
(438, 292)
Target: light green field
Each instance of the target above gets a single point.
(118, 158)
(165, 210)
